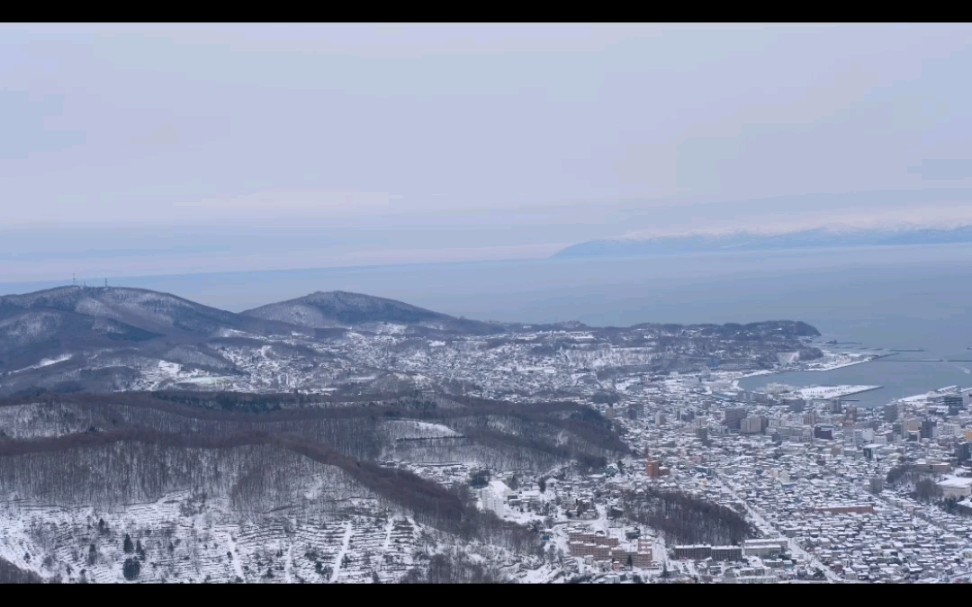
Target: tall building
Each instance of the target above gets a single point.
(963, 452)
(795, 405)
(950, 430)
(752, 424)
(891, 413)
(733, 417)
(836, 406)
(727, 553)
(695, 552)
(954, 402)
(824, 432)
(927, 429)
(653, 468)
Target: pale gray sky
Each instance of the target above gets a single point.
(135, 149)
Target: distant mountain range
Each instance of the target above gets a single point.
(755, 241)
(114, 329)
(80, 339)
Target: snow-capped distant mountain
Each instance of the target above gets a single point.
(88, 339)
(132, 313)
(322, 310)
(79, 338)
(756, 241)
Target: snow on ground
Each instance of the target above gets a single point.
(755, 374)
(207, 380)
(169, 368)
(825, 392)
(233, 554)
(541, 575)
(47, 362)
(493, 497)
(345, 542)
(166, 373)
(622, 386)
(836, 365)
(52, 361)
(202, 544)
(410, 429)
(832, 360)
(926, 396)
(31, 421)
(917, 398)
(391, 329)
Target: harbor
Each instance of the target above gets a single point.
(873, 383)
(823, 392)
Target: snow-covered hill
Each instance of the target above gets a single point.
(322, 310)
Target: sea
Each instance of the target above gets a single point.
(917, 299)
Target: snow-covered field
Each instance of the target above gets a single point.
(825, 392)
(414, 429)
(838, 360)
(47, 362)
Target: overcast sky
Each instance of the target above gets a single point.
(140, 149)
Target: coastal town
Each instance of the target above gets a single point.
(613, 455)
(834, 492)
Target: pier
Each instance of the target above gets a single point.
(855, 392)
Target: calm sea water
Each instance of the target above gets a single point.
(891, 297)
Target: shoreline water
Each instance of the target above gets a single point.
(848, 347)
(902, 381)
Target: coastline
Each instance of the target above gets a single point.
(829, 392)
(826, 366)
(837, 360)
(841, 365)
